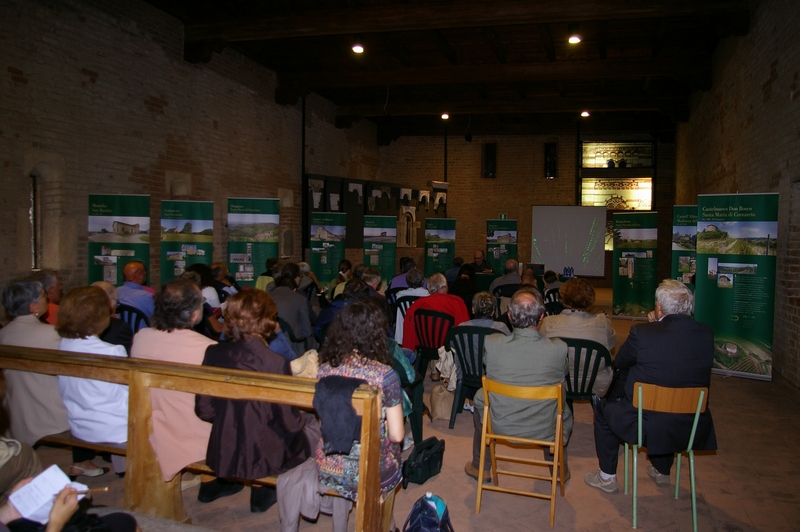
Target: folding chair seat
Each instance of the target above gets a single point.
(466, 342)
(673, 401)
(490, 438)
(431, 327)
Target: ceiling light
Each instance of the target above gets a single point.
(585, 114)
(574, 33)
(358, 45)
(445, 116)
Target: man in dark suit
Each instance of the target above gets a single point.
(674, 351)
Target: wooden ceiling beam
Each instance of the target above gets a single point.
(688, 68)
(416, 17)
(491, 38)
(447, 49)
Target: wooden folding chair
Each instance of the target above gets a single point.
(672, 401)
(490, 438)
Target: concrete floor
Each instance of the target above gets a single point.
(746, 485)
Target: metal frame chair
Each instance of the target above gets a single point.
(673, 401)
(584, 367)
(133, 317)
(466, 342)
(431, 327)
(488, 437)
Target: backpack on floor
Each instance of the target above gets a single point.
(429, 514)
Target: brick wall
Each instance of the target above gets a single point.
(743, 136)
(95, 98)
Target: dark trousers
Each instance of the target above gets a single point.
(615, 422)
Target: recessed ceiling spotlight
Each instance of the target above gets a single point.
(445, 116)
(358, 44)
(574, 33)
(585, 114)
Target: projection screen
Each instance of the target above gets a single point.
(565, 235)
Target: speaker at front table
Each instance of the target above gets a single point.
(489, 160)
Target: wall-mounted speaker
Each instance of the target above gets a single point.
(489, 160)
(550, 160)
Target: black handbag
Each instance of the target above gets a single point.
(424, 462)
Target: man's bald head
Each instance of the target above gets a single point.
(511, 266)
(134, 272)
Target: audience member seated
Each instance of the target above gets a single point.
(480, 263)
(253, 439)
(309, 285)
(179, 437)
(415, 281)
(268, 276)
(524, 358)
(466, 286)
(97, 411)
(528, 278)
(18, 461)
(337, 285)
(33, 401)
(399, 280)
(208, 325)
(354, 289)
(356, 348)
(294, 308)
(512, 277)
(224, 284)
(132, 292)
(52, 287)
(372, 276)
(452, 274)
(118, 332)
(438, 300)
(674, 351)
(575, 321)
(206, 283)
(551, 280)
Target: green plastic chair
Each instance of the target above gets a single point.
(585, 364)
(672, 401)
(466, 342)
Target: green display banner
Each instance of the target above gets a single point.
(187, 236)
(440, 244)
(684, 243)
(119, 232)
(380, 244)
(737, 248)
(635, 242)
(501, 242)
(328, 230)
(253, 232)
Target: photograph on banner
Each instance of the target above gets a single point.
(119, 233)
(501, 242)
(440, 244)
(684, 244)
(380, 244)
(634, 263)
(328, 231)
(187, 236)
(737, 249)
(253, 235)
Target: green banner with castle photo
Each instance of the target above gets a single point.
(253, 234)
(440, 244)
(328, 231)
(119, 233)
(501, 242)
(634, 266)
(380, 244)
(684, 243)
(737, 247)
(187, 236)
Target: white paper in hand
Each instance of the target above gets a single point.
(35, 500)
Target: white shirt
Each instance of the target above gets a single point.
(97, 411)
(212, 298)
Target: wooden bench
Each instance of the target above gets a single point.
(145, 490)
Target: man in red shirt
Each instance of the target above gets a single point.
(440, 301)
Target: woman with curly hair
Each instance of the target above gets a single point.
(252, 439)
(356, 348)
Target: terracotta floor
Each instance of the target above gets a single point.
(750, 483)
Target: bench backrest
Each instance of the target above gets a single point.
(145, 490)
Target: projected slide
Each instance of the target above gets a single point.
(564, 235)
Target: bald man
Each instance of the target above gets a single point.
(132, 292)
(511, 270)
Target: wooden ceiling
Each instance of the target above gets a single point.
(497, 68)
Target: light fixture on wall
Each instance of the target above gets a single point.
(358, 44)
(585, 114)
(445, 116)
(573, 32)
